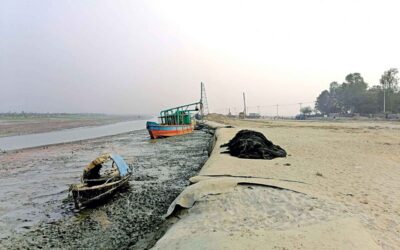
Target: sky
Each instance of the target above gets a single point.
(138, 57)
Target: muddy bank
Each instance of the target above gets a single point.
(40, 215)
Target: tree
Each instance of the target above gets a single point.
(390, 82)
(390, 79)
(306, 110)
(355, 78)
(323, 102)
(335, 93)
(371, 103)
(353, 95)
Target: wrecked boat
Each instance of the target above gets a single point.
(95, 186)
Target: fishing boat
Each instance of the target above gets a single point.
(179, 120)
(174, 121)
(95, 186)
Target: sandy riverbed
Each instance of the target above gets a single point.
(337, 189)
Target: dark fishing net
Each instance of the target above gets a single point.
(253, 145)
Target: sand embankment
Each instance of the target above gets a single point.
(337, 189)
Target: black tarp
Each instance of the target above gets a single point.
(253, 145)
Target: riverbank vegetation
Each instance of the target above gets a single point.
(355, 96)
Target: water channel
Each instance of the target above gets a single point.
(69, 135)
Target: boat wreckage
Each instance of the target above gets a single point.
(95, 186)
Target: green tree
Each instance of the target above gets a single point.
(354, 96)
(389, 82)
(353, 93)
(323, 102)
(390, 79)
(335, 93)
(372, 103)
(306, 110)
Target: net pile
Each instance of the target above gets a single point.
(253, 145)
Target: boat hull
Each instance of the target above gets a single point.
(157, 130)
(84, 195)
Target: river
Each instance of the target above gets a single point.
(69, 135)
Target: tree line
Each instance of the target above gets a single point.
(354, 96)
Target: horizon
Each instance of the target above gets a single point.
(123, 57)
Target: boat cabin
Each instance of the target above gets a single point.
(179, 115)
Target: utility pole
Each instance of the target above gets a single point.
(384, 99)
(244, 104)
(277, 110)
(203, 101)
(300, 106)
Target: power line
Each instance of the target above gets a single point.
(258, 107)
(285, 104)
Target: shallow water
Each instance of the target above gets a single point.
(35, 209)
(69, 135)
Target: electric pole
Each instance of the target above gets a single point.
(203, 101)
(384, 99)
(244, 104)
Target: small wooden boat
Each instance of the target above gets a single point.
(95, 187)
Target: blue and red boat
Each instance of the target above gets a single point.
(174, 121)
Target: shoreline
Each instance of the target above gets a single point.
(162, 169)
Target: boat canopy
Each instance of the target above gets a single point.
(95, 165)
(179, 115)
(121, 164)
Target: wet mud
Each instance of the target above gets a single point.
(36, 211)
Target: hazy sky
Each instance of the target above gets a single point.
(142, 56)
